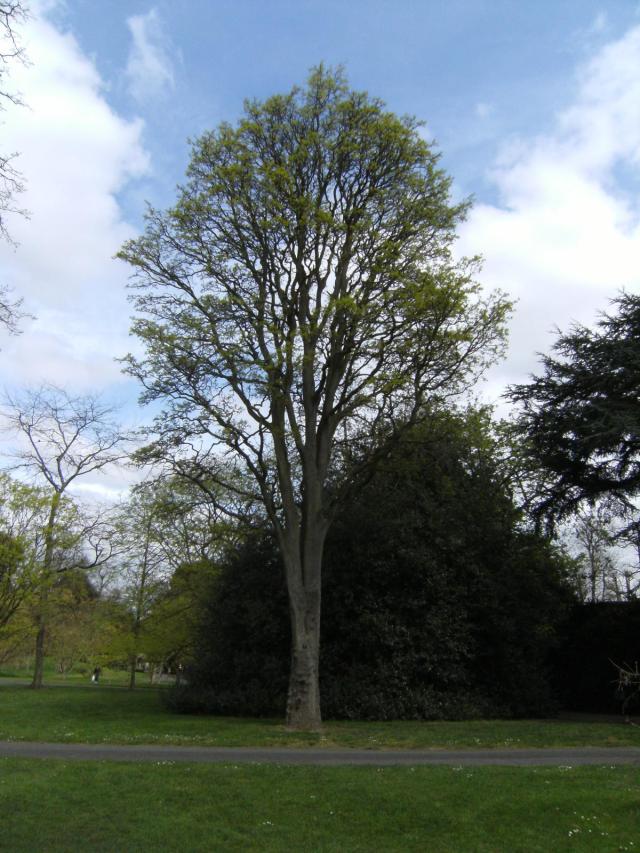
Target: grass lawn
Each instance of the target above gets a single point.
(102, 714)
(60, 806)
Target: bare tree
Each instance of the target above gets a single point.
(594, 537)
(606, 547)
(628, 578)
(63, 438)
(12, 15)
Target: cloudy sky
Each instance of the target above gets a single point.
(534, 106)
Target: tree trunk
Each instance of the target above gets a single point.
(304, 587)
(303, 700)
(132, 672)
(38, 669)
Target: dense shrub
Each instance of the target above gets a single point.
(435, 603)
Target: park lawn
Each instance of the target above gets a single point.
(100, 714)
(55, 805)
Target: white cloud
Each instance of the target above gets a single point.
(77, 154)
(565, 236)
(149, 67)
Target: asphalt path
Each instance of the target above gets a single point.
(331, 757)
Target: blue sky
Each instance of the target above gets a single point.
(535, 107)
(474, 71)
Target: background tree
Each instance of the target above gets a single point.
(627, 581)
(74, 623)
(302, 292)
(143, 573)
(63, 438)
(596, 567)
(580, 420)
(169, 638)
(190, 534)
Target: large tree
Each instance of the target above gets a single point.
(301, 292)
(579, 422)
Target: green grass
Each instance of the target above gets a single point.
(101, 714)
(60, 806)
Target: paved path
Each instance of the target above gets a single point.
(332, 757)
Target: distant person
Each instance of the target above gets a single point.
(96, 675)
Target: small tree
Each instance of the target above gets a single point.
(63, 438)
(303, 291)
(171, 629)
